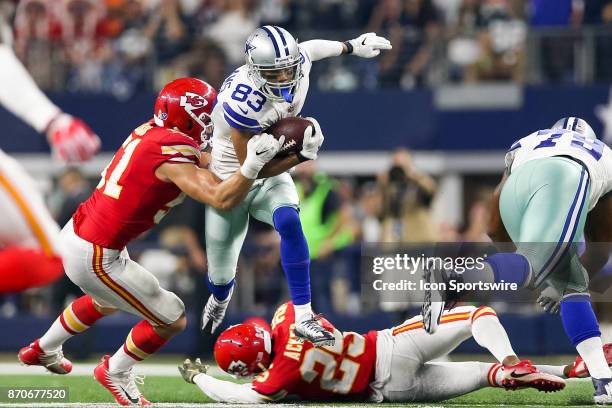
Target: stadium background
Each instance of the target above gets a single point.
(414, 139)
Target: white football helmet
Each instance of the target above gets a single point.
(274, 62)
(575, 124)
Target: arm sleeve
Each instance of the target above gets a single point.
(320, 49)
(20, 95)
(227, 391)
(178, 149)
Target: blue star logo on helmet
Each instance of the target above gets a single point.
(248, 47)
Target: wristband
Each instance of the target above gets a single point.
(349, 47)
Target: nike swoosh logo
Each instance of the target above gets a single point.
(132, 399)
(261, 152)
(363, 42)
(515, 375)
(245, 111)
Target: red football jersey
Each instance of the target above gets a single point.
(343, 371)
(130, 199)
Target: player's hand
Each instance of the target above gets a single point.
(550, 300)
(190, 369)
(368, 45)
(260, 150)
(313, 139)
(71, 139)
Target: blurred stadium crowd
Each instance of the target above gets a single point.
(117, 46)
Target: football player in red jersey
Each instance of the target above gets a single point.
(387, 365)
(29, 236)
(152, 171)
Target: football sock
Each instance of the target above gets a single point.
(294, 255)
(75, 319)
(140, 344)
(559, 371)
(490, 334)
(591, 351)
(495, 375)
(582, 329)
(302, 311)
(507, 267)
(23, 268)
(221, 292)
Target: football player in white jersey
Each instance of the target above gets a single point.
(557, 185)
(29, 255)
(272, 85)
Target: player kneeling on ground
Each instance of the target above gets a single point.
(152, 171)
(387, 365)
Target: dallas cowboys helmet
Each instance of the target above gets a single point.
(273, 61)
(577, 125)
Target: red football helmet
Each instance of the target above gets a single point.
(186, 104)
(243, 350)
(259, 321)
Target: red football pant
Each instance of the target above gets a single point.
(24, 268)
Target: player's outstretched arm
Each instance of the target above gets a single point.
(219, 390)
(367, 45)
(311, 144)
(227, 391)
(70, 138)
(200, 184)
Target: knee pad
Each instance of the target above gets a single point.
(287, 221)
(511, 267)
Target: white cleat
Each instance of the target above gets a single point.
(309, 329)
(603, 391)
(122, 385)
(214, 311)
(431, 310)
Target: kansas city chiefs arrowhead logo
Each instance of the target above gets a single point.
(237, 368)
(191, 101)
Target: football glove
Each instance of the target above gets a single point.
(190, 369)
(313, 139)
(549, 300)
(71, 139)
(368, 45)
(260, 150)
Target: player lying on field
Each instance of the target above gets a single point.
(387, 365)
(556, 188)
(157, 165)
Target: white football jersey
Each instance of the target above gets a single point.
(242, 106)
(593, 153)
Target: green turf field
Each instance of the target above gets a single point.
(83, 389)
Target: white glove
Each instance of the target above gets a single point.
(71, 139)
(313, 139)
(368, 45)
(550, 300)
(260, 150)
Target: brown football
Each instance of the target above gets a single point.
(293, 130)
